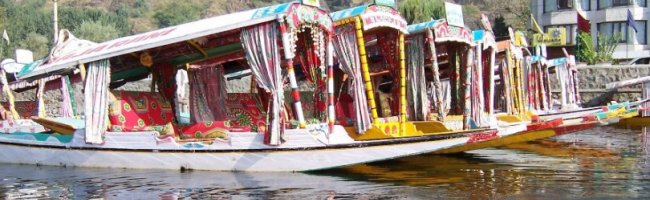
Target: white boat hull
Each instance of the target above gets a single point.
(241, 153)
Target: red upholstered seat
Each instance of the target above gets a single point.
(146, 111)
(25, 109)
(136, 111)
(244, 111)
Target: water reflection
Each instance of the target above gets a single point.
(605, 163)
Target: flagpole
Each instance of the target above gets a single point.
(55, 20)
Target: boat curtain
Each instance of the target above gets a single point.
(207, 94)
(67, 109)
(96, 100)
(417, 94)
(345, 45)
(262, 51)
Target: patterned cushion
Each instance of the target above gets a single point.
(25, 109)
(203, 130)
(244, 111)
(136, 111)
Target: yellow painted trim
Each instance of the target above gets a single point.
(511, 139)
(402, 67)
(365, 70)
(197, 47)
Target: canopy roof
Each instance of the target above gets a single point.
(373, 16)
(486, 38)
(444, 32)
(296, 14)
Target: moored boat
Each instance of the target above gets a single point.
(251, 129)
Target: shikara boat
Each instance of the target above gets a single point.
(369, 42)
(520, 94)
(254, 128)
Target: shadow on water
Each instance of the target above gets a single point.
(604, 163)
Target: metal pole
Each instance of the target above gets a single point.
(55, 20)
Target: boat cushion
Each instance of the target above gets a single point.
(202, 130)
(244, 111)
(25, 109)
(137, 111)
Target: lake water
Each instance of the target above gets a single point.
(605, 163)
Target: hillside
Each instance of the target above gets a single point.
(29, 24)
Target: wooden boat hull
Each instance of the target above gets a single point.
(634, 122)
(243, 152)
(525, 136)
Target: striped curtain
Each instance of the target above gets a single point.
(416, 91)
(96, 100)
(260, 45)
(345, 45)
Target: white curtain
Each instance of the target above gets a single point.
(96, 100)
(260, 45)
(417, 96)
(345, 44)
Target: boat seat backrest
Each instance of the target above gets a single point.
(134, 111)
(246, 110)
(25, 109)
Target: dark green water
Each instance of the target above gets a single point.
(606, 163)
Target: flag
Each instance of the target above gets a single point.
(486, 22)
(583, 24)
(535, 25)
(5, 35)
(630, 21)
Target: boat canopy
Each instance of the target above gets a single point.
(295, 12)
(484, 37)
(373, 16)
(444, 32)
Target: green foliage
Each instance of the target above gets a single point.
(417, 11)
(37, 43)
(176, 13)
(586, 51)
(96, 31)
(591, 55)
(472, 15)
(500, 27)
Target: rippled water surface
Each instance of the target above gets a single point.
(606, 163)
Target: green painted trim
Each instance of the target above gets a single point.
(129, 73)
(218, 51)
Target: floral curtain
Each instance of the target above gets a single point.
(345, 45)
(260, 45)
(417, 94)
(96, 100)
(207, 80)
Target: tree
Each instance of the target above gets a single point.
(37, 43)
(96, 31)
(472, 15)
(417, 11)
(176, 13)
(500, 28)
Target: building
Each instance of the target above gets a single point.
(606, 17)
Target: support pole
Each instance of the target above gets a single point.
(402, 85)
(467, 83)
(364, 69)
(288, 55)
(436, 76)
(330, 82)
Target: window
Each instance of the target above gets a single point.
(555, 5)
(584, 5)
(610, 28)
(602, 4)
(550, 5)
(570, 31)
(564, 4)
